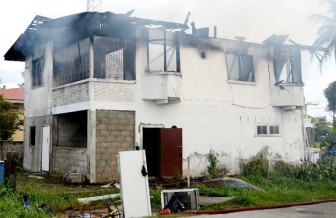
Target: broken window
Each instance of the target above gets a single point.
(37, 67)
(114, 58)
(287, 65)
(163, 54)
(32, 135)
(240, 67)
(72, 63)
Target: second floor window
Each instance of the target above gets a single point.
(71, 63)
(287, 65)
(114, 58)
(240, 67)
(163, 54)
(37, 68)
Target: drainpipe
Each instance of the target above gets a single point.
(304, 135)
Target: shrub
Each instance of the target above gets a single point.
(255, 166)
(325, 169)
(285, 169)
(213, 170)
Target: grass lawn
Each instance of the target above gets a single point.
(49, 191)
(278, 190)
(288, 185)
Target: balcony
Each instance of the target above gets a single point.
(82, 95)
(162, 88)
(288, 96)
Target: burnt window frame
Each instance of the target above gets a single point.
(78, 58)
(175, 44)
(37, 71)
(287, 60)
(32, 136)
(238, 61)
(128, 62)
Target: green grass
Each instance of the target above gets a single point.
(288, 184)
(50, 191)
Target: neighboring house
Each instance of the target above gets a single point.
(15, 96)
(100, 83)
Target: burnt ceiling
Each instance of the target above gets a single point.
(66, 30)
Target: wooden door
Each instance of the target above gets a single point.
(171, 152)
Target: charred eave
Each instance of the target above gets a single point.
(66, 30)
(26, 41)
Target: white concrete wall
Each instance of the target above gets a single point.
(213, 112)
(38, 101)
(222, 115)
(38, 105)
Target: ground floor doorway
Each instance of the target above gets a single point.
(163, 151)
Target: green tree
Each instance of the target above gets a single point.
(330, 94)
(324, 134)
(9, 120)
(327, 31)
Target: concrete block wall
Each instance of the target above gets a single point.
(70, 160)
(12, 147)
(115, 131)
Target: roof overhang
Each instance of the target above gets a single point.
(66, 30)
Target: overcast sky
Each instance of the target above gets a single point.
(254, 19)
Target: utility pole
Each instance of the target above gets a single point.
(306, 106)
(94, 5)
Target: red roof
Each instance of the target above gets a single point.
(16, 94)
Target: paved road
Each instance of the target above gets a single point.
(322, 210)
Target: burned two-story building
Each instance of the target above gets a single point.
(100, 83)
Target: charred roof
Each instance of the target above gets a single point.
(65, 30)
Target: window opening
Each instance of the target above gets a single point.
(72, 63)
(32, 136)
(37, 67)
(274, 130)
(72, 130)
(114, 58)
(287, 64)
(262, 130)
(163, 54)
(240, 67)
(268, 130)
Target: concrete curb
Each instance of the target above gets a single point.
(258, 207)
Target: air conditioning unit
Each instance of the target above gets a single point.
(189, 198)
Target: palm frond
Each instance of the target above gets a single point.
(330, 51)
(326, 37)
(326, 29)
(319, 18)
(331, 7)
